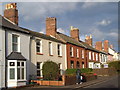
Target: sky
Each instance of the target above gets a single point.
(100, 19)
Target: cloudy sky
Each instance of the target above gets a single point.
(97, 18)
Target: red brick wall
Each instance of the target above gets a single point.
(106, 45)
(88, 40)
(98, 45)
(74, 58)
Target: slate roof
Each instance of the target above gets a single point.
(15, 56)
(68, 39)
(5, 23)
(44, 36)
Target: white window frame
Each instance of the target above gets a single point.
(71, 51)
(18, 42)
(93, 56)
(89, 55)
(40, 46)
(59, 49)
(96, 57)
(82, 53)
(77, 52)
(50, 48)
(39, 69)
(22, 67)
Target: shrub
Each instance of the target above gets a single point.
(115, 64)
(83, 70)
(50, 70)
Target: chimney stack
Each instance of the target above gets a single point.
(88, 40)
(98, 45)
(74, 32)
(11, 12)
(106, 45)
(51, 26)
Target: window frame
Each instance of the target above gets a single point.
(39, 46)
(50, 49)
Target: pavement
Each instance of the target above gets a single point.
(84, 84)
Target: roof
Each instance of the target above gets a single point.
(5, 23)
(68, 39)
(15, 56)
(44, 36)
(89, 47)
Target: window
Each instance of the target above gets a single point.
(78, 65)
(50, 49)
(12, 73)
(15, 43)
(96, 57)
(20, 70)
(71, 51)
(90, 55)
(60, 68)
(12, 63)
(83, 66)
(82, 53)
(39, 46)
(93, 56)
(71, 64)
(39, 69)
(59, 48)
(77, 52)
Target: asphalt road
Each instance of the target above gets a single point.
(112, 82)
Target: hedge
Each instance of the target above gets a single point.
(115, 64)
(50, 70)
(83, 70)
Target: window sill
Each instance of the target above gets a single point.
(60, 56)
(50, 55)
(39, 54)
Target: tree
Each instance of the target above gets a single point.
(50, 70)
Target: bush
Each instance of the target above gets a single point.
(50, 70)
(83, 70)
(115, 64)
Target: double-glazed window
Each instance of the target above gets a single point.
(71, 64)
(93, 56)
(77, 53)
(15, 43)
(39, 69)
(50, 48)
(96, 57)
(16, 70)
(38, 46)
(71, 51)
(82, 53)
(59, 48)
(89, 55)
(20, 70)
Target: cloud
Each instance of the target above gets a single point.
(61, 30)
(113, 35)
(104, 22)
(42, 10)
(88, 4)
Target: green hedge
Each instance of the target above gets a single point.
(83, 70)
(50, 70)
(115, 64)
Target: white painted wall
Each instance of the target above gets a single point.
(2, 58)
(42, 58)
(24, 46)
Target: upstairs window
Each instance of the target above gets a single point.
(96, 57)
(50, 48)
(38, 46)
(15, 43)
(89, 55)
(59, 48)
(77, 52)
(82, 53)
(71, 51)
(93, 56)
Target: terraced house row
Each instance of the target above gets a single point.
(23, 51)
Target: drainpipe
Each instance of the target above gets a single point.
(5, 59)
